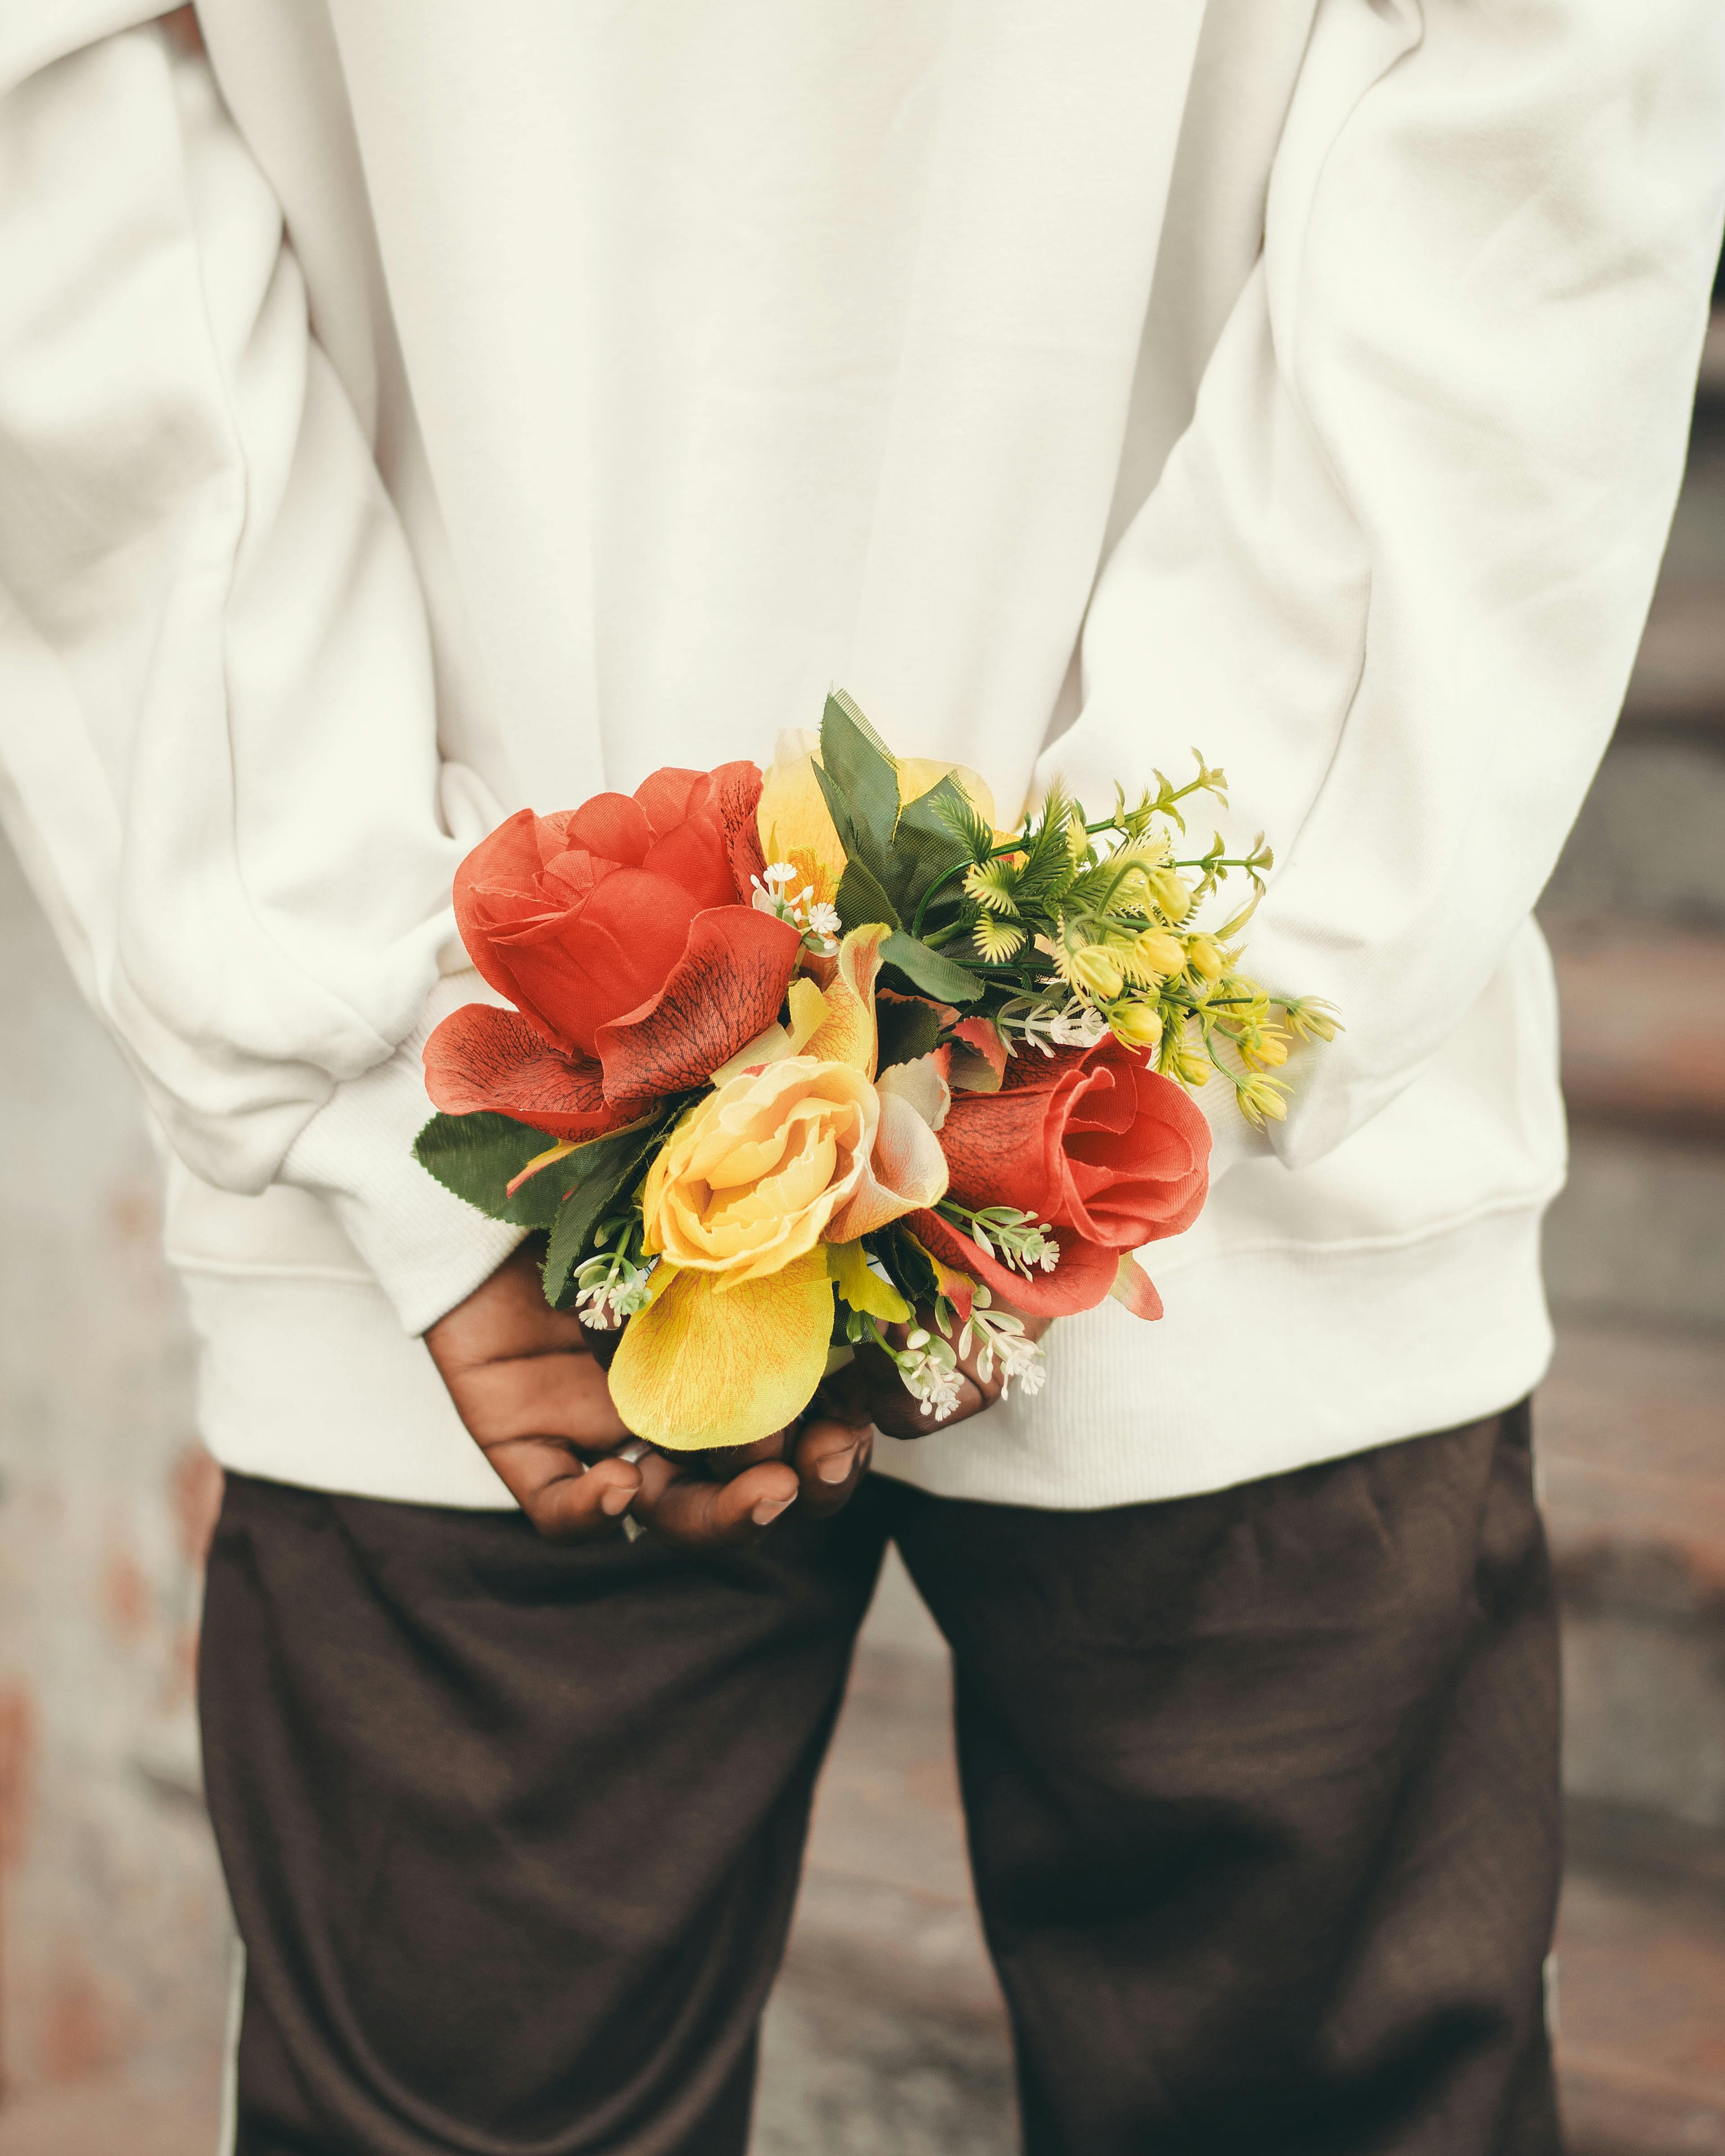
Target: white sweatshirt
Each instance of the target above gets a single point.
(412, 412)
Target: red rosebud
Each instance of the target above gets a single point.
(1092, 1140)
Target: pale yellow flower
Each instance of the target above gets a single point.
(1171, 893)
(1312, 1018)
(1266, 1051)
(1139, 1025)
(1156, 956)
(1262, 1099)
(1098, 968)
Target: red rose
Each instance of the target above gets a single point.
(617, 931)
(1091, 1139)
(579, 917)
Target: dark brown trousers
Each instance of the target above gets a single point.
(1261, 1789)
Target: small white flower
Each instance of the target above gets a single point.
(779, 873)
(935, 1386)
(1078, 1027)
(594, 1308)
(823, 919)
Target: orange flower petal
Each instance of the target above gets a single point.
(481, 1057)
(1134, 1287)
(725, 988)
(705, 1366)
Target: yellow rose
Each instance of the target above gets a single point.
(750, 1202)
(751, 1178)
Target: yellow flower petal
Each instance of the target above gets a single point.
(701, 1369)
(808, 1010)
(918, 775)
(796, 826)
(862, 1288)
(847, 1033)
(775, 1043)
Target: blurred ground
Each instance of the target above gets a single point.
(885, 2037)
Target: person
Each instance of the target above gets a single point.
(408, 414)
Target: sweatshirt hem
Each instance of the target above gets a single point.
(1300, 1354)
(1302, 1357)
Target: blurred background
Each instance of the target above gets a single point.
(886, 2033)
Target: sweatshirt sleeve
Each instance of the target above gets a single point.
(219, 747)
(1393, 575)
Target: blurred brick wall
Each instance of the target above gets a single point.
(113, 1925)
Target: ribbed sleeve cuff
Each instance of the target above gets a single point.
(428, 1249)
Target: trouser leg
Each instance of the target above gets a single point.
(1263, 1804)
(512, 1831)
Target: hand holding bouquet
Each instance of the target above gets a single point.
(823, 1057)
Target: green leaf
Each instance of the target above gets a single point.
(601, 1169)
(857, 772)
(906, 1029)
(862, 899)
(929, 971)
(478, 1157)
(963, 818)
(926, 846)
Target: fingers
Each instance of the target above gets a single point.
(548, 1396)
(896, 1412)
(533, 1399)
(685, 1506)
(506, 1316)
(565, 1501)
(831, 1458)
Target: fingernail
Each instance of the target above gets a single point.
(769, 1509)
(613, 1501)
(837, 1467)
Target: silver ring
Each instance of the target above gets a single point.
(637, 1449)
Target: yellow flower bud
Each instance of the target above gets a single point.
(1139, 1025)
(1313, 1019)
(1156, 955)
(1268, 1052)
(1203, 959)
(1260, 1098)
(1186, 1066)
(1096, 969)
(1170, 891)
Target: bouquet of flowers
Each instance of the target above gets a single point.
(807, 1058)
